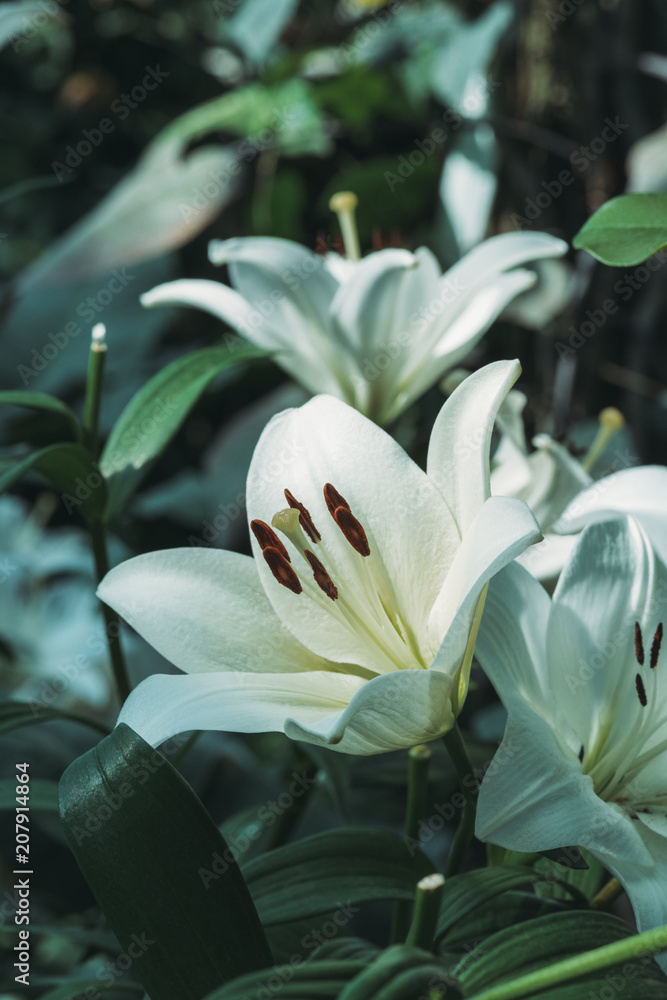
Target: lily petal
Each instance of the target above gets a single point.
(162, 706)
(205, 611)
(412, 535)
(461, 472)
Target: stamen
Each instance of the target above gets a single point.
(639, 645)
(655, 647)
(344, 204)
(641, 691)
(305, 520)
(611, 421)
(322, 578)
(581, 754)
(267, 538)
(282, 570)
(352, 530)
(334, 499)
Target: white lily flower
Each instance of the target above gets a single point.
(354, 625)
(376, 332)
(563, 495)
(584, 757)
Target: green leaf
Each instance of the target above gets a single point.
(71, 470)
(43, 794)
(42, 401)
(335, 870)
(14, 714)
(516, 951)
(153, 416)
(296, 981)
(470, 890)
(397, 968)
(160, 869)
(74, 989)
(626, 230)
(508, 909)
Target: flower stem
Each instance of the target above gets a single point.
(111, 619)
(650, 942)
(470, 790)
(343, 204)
(611, 421)
(91, 407)
(418, 762)
(427, 909)
(610, 891)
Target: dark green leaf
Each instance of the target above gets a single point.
(626, 230)
(14, 714)
(470, 890)
(43, 794)
(180, 890)
(296, 981)
(506, 910)
(71, 470)
(74, 989)
(42, 401)
(153, 416)
(401, 973)
(335, 871)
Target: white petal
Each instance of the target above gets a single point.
(503, 528)
(411, 534)
(641, 492)
(546, 559)
(162, 706)
(392, 712)
(458, 452)
(205, 610)
(609, 583)
(556, 478)
(534, 797)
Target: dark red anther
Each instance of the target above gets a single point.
(352, 530)
(655, 647)
(639, 645)
(267, 538)
(305, 520)
(322, 578)
(334, 499)
(641, 691)
(581, 754)
(282, 570)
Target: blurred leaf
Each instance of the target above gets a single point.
(74, 989)
(157, 411)
(17, 16)
(71, 469)
(181, 892)
(14, 714)
(255, 29)
(468, 187)
(43, 794)
(41, 401)
(626, 230)
(333, 870)
(517, 951)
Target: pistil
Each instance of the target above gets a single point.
(344, 204)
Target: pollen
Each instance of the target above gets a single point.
(641, 691)
(352, 528)
(305, 520)
(282, 570)
(639, 645)
(655, 647)
(267, 538)
(322, 578)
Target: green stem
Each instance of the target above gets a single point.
(415, 809)
(427, 909)
(470, 790)
(289, 817)
(111, 619)
(607, 894)
(650, 942)
(91, 407)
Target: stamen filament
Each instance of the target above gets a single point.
(344, 204)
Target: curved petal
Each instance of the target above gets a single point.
(503, 528)
(392, 712)
(608, 585)
(512, 641)
(412, 536)
(162, 706)
(282, 330)
(556, 478)
(458, 452)
(534, 797)
(204, 610)
(546, 559)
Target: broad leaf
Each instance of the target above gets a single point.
(470, 890)
(181, 890)
(296, 981)
(398, 969)
(14, 714)
(71, 470)
(42, 401)
(153, 416)
(335, 870)
(626, 230)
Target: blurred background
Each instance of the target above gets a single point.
(133, 133)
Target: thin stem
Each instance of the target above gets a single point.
(415, 809)
(427, 909)
(91, 407)
(650, 942)
(470, 790)
(609, 892)
(111, 619)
